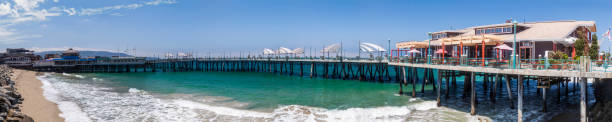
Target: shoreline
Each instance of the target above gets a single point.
(52, 112)
(35, 104)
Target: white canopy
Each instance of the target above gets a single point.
(267, 51)
(298, 51)
(181, 54)
(334, 48)
(369, 47)
(284, 50)
(414, 51)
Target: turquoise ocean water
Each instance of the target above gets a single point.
(248, 96)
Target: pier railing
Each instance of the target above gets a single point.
(532, 64)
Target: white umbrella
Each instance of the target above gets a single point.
(414, 51)
(369, 47)
(503, 47)
(298, 51)
(284, 50)
(334, 48)
(181, 54)
(267, 51)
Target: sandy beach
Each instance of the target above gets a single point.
(35, 104)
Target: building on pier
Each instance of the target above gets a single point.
(71, 58)
(533, 39)
(18, 57)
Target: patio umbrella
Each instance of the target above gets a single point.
(414, 51)
(440, 51)
(503, 47)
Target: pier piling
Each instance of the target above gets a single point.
(508, 88)
(439, 83)
(473, 95)
(583, 99)
(520, 98)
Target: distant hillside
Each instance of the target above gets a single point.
(85, 53)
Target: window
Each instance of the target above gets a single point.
(494, 30)
(508, 30)
(438, 36)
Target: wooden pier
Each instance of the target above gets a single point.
(443, 78)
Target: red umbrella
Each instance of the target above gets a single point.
(440, 51)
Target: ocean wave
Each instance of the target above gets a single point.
(74, 75)
(71, 112)
(86, 102)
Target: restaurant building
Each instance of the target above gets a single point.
(533, 40)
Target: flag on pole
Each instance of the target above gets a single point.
(607, 34)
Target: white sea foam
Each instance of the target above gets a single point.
(79, 76)
(86, 102)
(387, 113)
(73, 75)
(97, 79)
(71, 112)
(220, 110)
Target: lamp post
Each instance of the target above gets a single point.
(389, 48)
(514, 45)
(429, 48)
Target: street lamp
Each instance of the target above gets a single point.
(514, 58)
(429, 36)
(389, 48)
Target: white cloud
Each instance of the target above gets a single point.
(70, 11)
(4, 32)
(5, 8)
(117, 14)
(10, 37)
(27, 5)
(14, 12)
(157, 2)
(94, 11)
(23, 11)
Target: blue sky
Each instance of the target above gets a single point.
(158, 26)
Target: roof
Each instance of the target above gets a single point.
(449, 31)
(558, 31)
(70, 50)
(539, 31)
